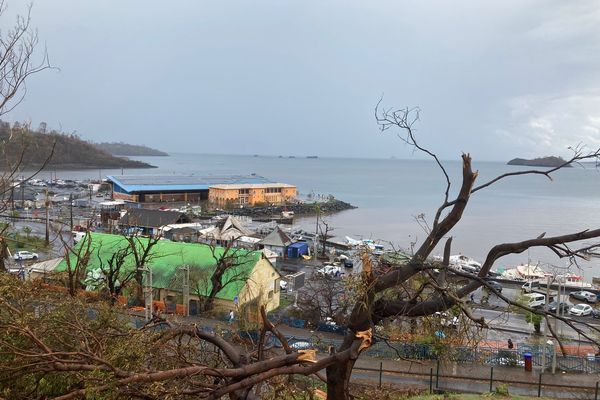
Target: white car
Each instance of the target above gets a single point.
(283, 285)
(25, 255)
(581, 310)
(446, 320)
(330, 270)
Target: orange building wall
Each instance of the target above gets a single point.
(220, 196)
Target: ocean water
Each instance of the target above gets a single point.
(389, 193)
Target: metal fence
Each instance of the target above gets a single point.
(542, 356)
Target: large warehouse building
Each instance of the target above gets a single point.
(194, 188)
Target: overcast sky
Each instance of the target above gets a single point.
(496, 79)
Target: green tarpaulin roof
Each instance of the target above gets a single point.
(167, 256)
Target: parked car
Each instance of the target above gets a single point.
(330, 270)
(583, 295)
(348, 263)
(495, 285)
(534, 300)
(529, 286)
(446, 319)
(595, 313)
(25, 255)
(563, 308)
(300, 345)
(581, 310)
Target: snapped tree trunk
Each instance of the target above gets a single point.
(217, 285)
(338, 380)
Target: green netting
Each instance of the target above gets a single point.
(167, 256)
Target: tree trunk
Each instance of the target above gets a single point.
(215, 281)
(338, 380)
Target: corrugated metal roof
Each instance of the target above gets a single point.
(151, 183)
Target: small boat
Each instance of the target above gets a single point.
(463, 263)
(530, 272)
(571, 281)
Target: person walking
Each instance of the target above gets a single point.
(510, 344)
(231, 316)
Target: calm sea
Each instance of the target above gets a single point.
(389, 193)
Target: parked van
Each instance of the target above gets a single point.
(534, 300)
(529, 286)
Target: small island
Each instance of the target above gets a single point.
(130, 150)
(549, 161)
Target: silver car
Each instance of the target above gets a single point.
(25, 255)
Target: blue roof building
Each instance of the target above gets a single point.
(173, 188)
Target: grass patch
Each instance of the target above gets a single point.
(19, 242)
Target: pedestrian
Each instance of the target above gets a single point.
(231, 316)
(472, 298)
(510, 344)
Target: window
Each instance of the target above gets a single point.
(244, 191)
(270, 294)
(276, 285)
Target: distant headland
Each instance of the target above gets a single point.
(131, 150)
(549, 161)
(27, 148)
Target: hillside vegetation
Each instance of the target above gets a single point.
(125, 149)
(31, 149)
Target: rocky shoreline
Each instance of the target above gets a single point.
(299, 209)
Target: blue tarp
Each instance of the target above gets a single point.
(296, 250)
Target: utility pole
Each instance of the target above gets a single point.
(185, 289)
(147, 289)
(22, 195)
(47, 204)
(558, 305)
(12, 201)
(546, 328)
(71, 210)
(318, 208)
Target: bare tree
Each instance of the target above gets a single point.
(115, 270)
(141, 249)
(76, 259)
(325, 296)
(228, 270)
(324, 230)
(18, 60)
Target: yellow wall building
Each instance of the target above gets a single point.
(251, 194)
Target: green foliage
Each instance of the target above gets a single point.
(533, 318)
(17, 241)
(36, 321)
(502, 389)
